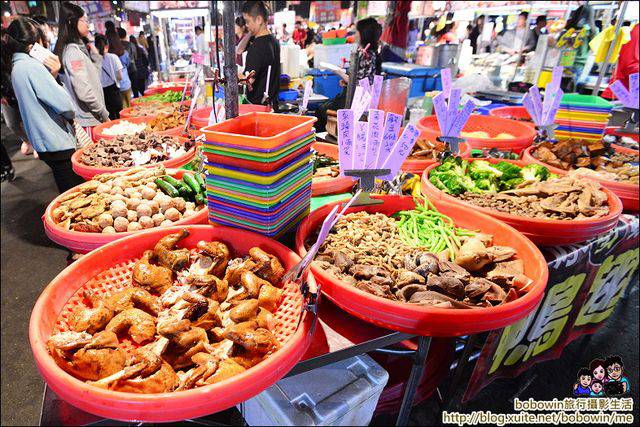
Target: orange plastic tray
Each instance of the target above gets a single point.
(523, 133)
(547, 232)
(110, 267)
(88, 172)
(200, 117)
(416, 166)
(259, 130)
(628, 193)
(80, 242)
(431, 321)
(337, 185)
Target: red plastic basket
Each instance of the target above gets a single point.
(432, 321)
(513, 113)
(110, 267)
(80, 242)
(88, 172)
(200, 117)
(417, 166)
(628, 193)
(523, 133)
(549, 232)
(337, 185)
(99, 129)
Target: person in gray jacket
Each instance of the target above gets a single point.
(45, 106)
(80, 67)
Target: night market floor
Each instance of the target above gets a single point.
(30, 261)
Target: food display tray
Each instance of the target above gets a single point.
(110, 267)
(83, 242)
(432, 321)
(549, 232)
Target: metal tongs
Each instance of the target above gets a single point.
(297, 274)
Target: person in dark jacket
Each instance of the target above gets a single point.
(142, 68)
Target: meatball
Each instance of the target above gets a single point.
(166, 223)
(105, 220)
(172, 214)
(144, 209)
(133, 203)
(132, 215)
(134, 226)
(120, 224)
(146, 222)
(157, 219)
(148, 193)
(178, 203)
(108, 230)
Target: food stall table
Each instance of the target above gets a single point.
(337, 336)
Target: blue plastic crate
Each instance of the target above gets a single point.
(423, 79)
(325, 82)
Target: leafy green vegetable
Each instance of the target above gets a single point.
(535, 172)
(456, 176)
(509, 184)
(482, 169)
(509, 170)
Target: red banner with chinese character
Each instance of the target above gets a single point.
(585, 284)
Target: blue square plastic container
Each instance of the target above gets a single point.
(325, 82)
(423, 79)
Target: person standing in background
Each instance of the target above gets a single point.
(49, 39)
(263, 52)
(142, 40)
(299, 35)
(285, 34)
(539, 29)
(152, 53)
(47, 108)
(142, 68)
(520, 39)
(476, 33)
(110, 77)
(81, 65)
(242, 38)
(128, 59)
(200, 45)
(367, 37)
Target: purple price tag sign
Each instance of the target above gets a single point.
(441, 112)
(461, 118)
(360, 146)
(362, 105)
(452, 109)
(357, 94)
(621, 93)
(365, 84)
(374, 137)
(389, 137)
(375, 92)
(550, 92)
(553, 108)
(527, 101)
(346, 128)
(307, 93)
(401, 150)
(213, 115)
(194, 100)
(445, 75)
(633, 89)
(537, 101)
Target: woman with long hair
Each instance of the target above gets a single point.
(110, 77)
(46, 107)
(81, 65)
(368, 32)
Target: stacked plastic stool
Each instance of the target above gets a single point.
(259, 171)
